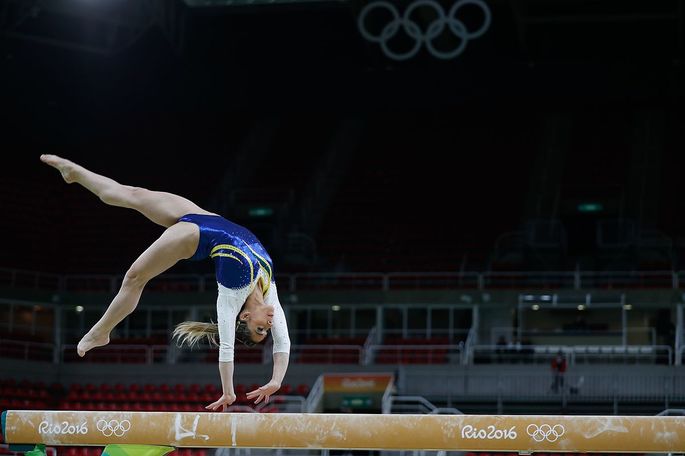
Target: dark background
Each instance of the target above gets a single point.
(456, 148)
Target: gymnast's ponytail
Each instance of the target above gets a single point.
(192, 332)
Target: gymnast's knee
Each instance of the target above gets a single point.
(123, 195)
(135, 278)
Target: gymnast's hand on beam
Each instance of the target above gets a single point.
(264, 392)
(224, 401)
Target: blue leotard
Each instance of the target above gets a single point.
(237, 253)
(240, 261)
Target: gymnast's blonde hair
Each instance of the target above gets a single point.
(190, 333)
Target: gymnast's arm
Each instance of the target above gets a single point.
(228, 305)
(281, 350)
(226, 372)
(281, 339)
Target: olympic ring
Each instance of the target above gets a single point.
(545, 432)
(414, 31)
(113, 427)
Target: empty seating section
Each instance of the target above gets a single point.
(397, 350)
(309, 135)
(422, 213)
(78, 233)
(331, 350)
(393, 350)
(194, 397)
(419, 213)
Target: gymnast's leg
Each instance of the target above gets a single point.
(161, 207)
(179, 240)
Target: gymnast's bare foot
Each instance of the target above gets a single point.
(67, 168)
(90, 341)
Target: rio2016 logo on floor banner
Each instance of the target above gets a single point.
(427, 34)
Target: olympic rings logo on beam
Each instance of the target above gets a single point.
(113, 427)
(420, 36)
(545, 432)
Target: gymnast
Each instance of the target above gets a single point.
(247, 304)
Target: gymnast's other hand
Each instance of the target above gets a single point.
(264, 392)
(224, 401)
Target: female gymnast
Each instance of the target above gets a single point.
(247, 303)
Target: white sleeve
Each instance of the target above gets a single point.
(279, 328)
(228, 304)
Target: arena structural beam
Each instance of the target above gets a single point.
(511, 433)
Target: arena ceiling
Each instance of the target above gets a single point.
(300, 48)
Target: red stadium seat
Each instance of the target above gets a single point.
(286, 389)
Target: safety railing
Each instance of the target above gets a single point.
(476, 280)
(155, 354)
(117, 354)
(605, 385)
(26, 350)
(351, 354)
(327, 354)
(633, 335)
(416, 354)
(32, 280)
(575, 354)
(624, 354)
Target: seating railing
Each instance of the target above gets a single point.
(154, 354)
(454, 385)
(416, 354)
(327, 354)
(477, 280)
(26, 350)
(352, 354)
(575, 354)
(117, 353)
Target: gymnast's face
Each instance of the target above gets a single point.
(257, 315)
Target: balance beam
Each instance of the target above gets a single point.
(512, 433)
